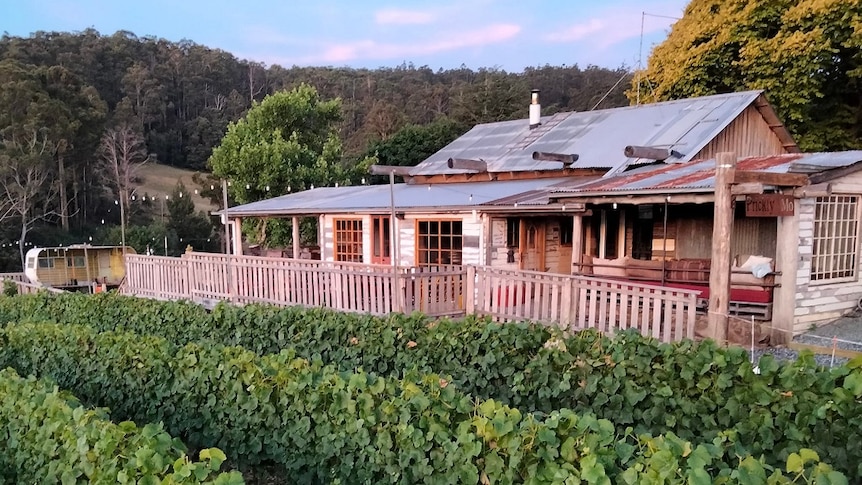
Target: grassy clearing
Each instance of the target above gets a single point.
(160, 180)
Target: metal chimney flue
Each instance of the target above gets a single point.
(535, 109)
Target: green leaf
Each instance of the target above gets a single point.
(853, 383)
(795, 463)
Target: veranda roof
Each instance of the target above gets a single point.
(451, 197)
(699, 176)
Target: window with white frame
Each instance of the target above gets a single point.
(836, 244)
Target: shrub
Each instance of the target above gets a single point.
(47, 436)
(323, 425)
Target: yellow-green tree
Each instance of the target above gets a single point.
(806, 54)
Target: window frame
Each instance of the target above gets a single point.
(513, 232)
(830, 231)
(567, 229)
(456, 254)
(351, 248)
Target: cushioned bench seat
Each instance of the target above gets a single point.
(753, 295)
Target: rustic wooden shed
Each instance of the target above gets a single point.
(655, 224)
(484, 198)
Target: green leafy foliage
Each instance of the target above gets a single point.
(694, 390)
(804, 53)
(323, 425)
(286, 140)
(48, 437)
(413, 143)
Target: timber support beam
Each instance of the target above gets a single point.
(722, 230)
(769, 178)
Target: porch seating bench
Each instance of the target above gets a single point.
(749, 295)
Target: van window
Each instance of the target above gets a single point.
(46, 262)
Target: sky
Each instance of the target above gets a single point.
(503, 34)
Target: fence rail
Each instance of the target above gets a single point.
(580, 302)
(24, 287)
(207, 278)
(572, 302)
(14, 277)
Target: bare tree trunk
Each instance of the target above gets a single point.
(64, 200)
(21, 242)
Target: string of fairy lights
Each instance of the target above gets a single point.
(14, 244)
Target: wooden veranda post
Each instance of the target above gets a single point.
(722, 229)
(393, 231)
(577, 243)
(295, 228)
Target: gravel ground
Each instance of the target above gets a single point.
(848, 331)
(789, 355)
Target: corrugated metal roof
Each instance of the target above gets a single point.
(597, 137)
(408, 197)
(817, 162)
(699, 175)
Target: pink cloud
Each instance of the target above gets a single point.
(370, 49)
(403, 17)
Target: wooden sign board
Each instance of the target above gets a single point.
(769, 205)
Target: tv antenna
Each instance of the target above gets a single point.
(644, 15)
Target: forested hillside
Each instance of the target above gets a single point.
(81, 112)
(184, 94)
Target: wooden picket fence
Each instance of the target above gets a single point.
(23, 285)
(581, 302)
(208, 278)
(572, 302)
(14, 277)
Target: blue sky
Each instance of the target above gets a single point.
(508, 34)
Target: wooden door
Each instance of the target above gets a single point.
(381, 242)
(533, 245)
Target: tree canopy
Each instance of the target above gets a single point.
(286, 142)
(806, 54)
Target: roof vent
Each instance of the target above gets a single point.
(535, 109)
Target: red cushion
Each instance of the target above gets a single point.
(750, 296)
(736, 294)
